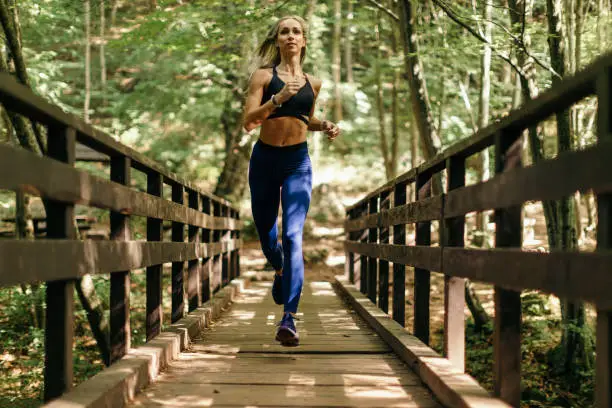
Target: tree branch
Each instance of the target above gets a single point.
(518, 41)
(386, 10)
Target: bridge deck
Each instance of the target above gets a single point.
(237, 362)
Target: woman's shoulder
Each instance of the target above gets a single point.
(315, 82)
(261, 75)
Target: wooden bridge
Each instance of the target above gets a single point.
(353, 351)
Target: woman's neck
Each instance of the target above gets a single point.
(291, 65)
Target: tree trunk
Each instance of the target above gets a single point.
(430, 140)
(395, 107)
(480, 315)
(574, 342)
(380, 106)
(152, 5)
(96, 317)
(102, 50)
(114, 8)
(310, 9)
(348, 43)
(12, 34)
(483, 110)
(87, 60)
(336, 60)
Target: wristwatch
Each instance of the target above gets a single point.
(277, 105)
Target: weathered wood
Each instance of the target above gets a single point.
(45, 260)
(178, 286)
(580, 170)
(120, 332)
(194, 280)
(206, 266)
(59, 316)
(420, 256)
(421, 275)
(216, 267)
(20, 99)
(399, 269)
(383, 265)
(507, 332)
(21, 169)
(349, 257)
(603, 369)
(154, 279)
(452, 232)
(372, 260)
(425, 210)
(225, 264)
(363, 259)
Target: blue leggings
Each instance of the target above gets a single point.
(282, 175)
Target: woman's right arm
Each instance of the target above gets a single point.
(254, 113)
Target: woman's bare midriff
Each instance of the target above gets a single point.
(285, 131)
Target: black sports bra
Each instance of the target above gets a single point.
(298, 106)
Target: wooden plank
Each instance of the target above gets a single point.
(383, 265)
(287, 395)
(178, 286)
(422, 277)
(46, 260)
(450, 386)
(426, 209)
(194, 268)
(59, 314)
(372, 260)
(507, 331)
(349, 257)
(399, 270)
(23, 170)
(154, 272)
(21, 99)
(454, 287)
(580, 170)
(603, 363)
(216, 267)
(574, 275)
(420, 256)
(120, 282)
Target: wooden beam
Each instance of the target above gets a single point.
(154, 272)
(120, 282)
(383, 265)
(399, 270)
(178, 286)
(59, 316)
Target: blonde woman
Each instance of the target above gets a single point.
(281, 99)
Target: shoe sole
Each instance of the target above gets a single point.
(287, 338)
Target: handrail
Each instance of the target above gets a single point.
(209, 250)
(572, 275)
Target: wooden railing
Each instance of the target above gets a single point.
(571, 275)
(210, 248)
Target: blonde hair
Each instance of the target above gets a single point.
(268, 53)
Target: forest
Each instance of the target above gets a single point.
(403, 79)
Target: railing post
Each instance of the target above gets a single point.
(154, 272)
(399, 270)
(194, 295)
(120, 332)
(225, 272)
(454, 288)
(422, 277)
(363, 260)
(372, 261)
(237, 236)
(349, 267)
(603, 371)
(216, 275)
(178, 286)
(232, 254)
(59, 324)
(383, 266)
(507, 332)
(205, 271)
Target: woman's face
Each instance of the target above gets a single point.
(290, 36)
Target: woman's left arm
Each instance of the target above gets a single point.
(317, 125)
